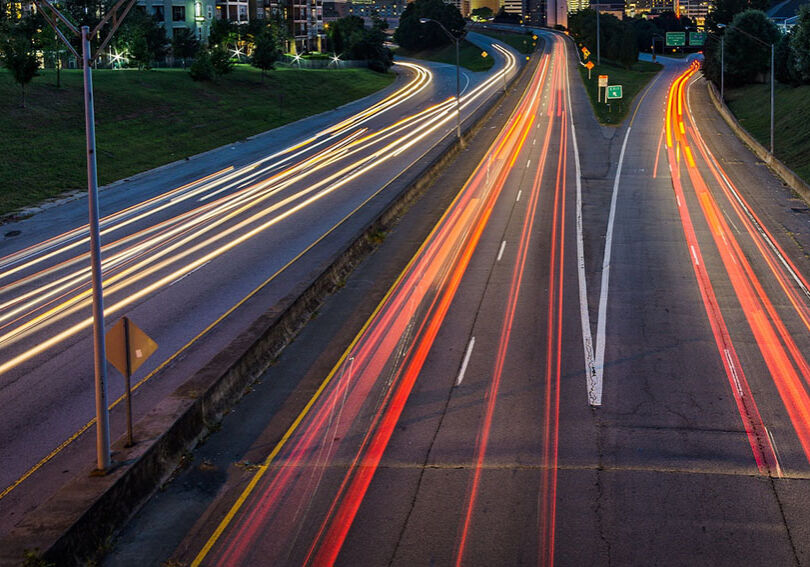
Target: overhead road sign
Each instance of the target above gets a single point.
(697, 39)
(676, 39)
(614, 92)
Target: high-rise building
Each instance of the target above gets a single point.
(577, 5)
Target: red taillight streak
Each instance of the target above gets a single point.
(745, 213)
(752, 300)
(756, 432)
(336, 527)
(506, 329)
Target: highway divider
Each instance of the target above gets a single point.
(80, 520)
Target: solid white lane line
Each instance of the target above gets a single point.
(520, 192)
(593, 381)
(500, 253)
(465, 362)
(603, 292)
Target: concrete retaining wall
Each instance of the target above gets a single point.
(84, 515)
(787, 175)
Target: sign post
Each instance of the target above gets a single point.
(603, 83)
(128, 347)
(62, 25)
(589, 65)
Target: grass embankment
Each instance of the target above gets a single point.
(469, 56)
(148, 118)
(633, 80)
(520, 41)
(751, 105)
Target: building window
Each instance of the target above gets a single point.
(158, 13)
(178, 13)
(243, 13)
(209, 12)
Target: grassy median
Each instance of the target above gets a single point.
(751, 105)
(148, 118)
(633, 81)
(469, 56)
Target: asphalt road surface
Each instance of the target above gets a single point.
(192, 253)
(595, 357)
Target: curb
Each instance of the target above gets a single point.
(787, 175)
(76, 523)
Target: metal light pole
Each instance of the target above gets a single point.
(723, 68)
(102, 414)
(766, 44)
(116, 14)
(458, 73)
(598, 37)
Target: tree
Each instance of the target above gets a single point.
(725, 10)
(202, 69)
(785, 61)
(223, 32)
(143, 38)
(482, 14)
(266, 49)
(504, 17)
(800, 45)
(184, 45)
(221, 60)
(415, 36)
(747, 60)
(18, 51)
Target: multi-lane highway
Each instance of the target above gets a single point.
(194, 263)
(595, 357)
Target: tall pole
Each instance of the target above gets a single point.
(102, 413)
(722, 67)
(598, 37)
(458, 94)
(772, 87)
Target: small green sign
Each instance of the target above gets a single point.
(676, 39)
(614, 91)
(697, 39)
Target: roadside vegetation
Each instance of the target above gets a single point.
(429, 41)
(750, 105)
(148, 118)
(621, 42)
(522, 42)
(470, 56)
(747, 76)
(633, 81)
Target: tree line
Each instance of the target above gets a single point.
(748, 61)
(27, 42)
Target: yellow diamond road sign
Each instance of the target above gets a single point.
(140, 346)
(586, 52)
(589, 65)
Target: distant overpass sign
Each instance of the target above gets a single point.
(697, 39)
(676, 39)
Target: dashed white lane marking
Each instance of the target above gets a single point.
(465, 362)
(500, 252)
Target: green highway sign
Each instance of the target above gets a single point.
(614, 91)
(697, 38)
(676, 39)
